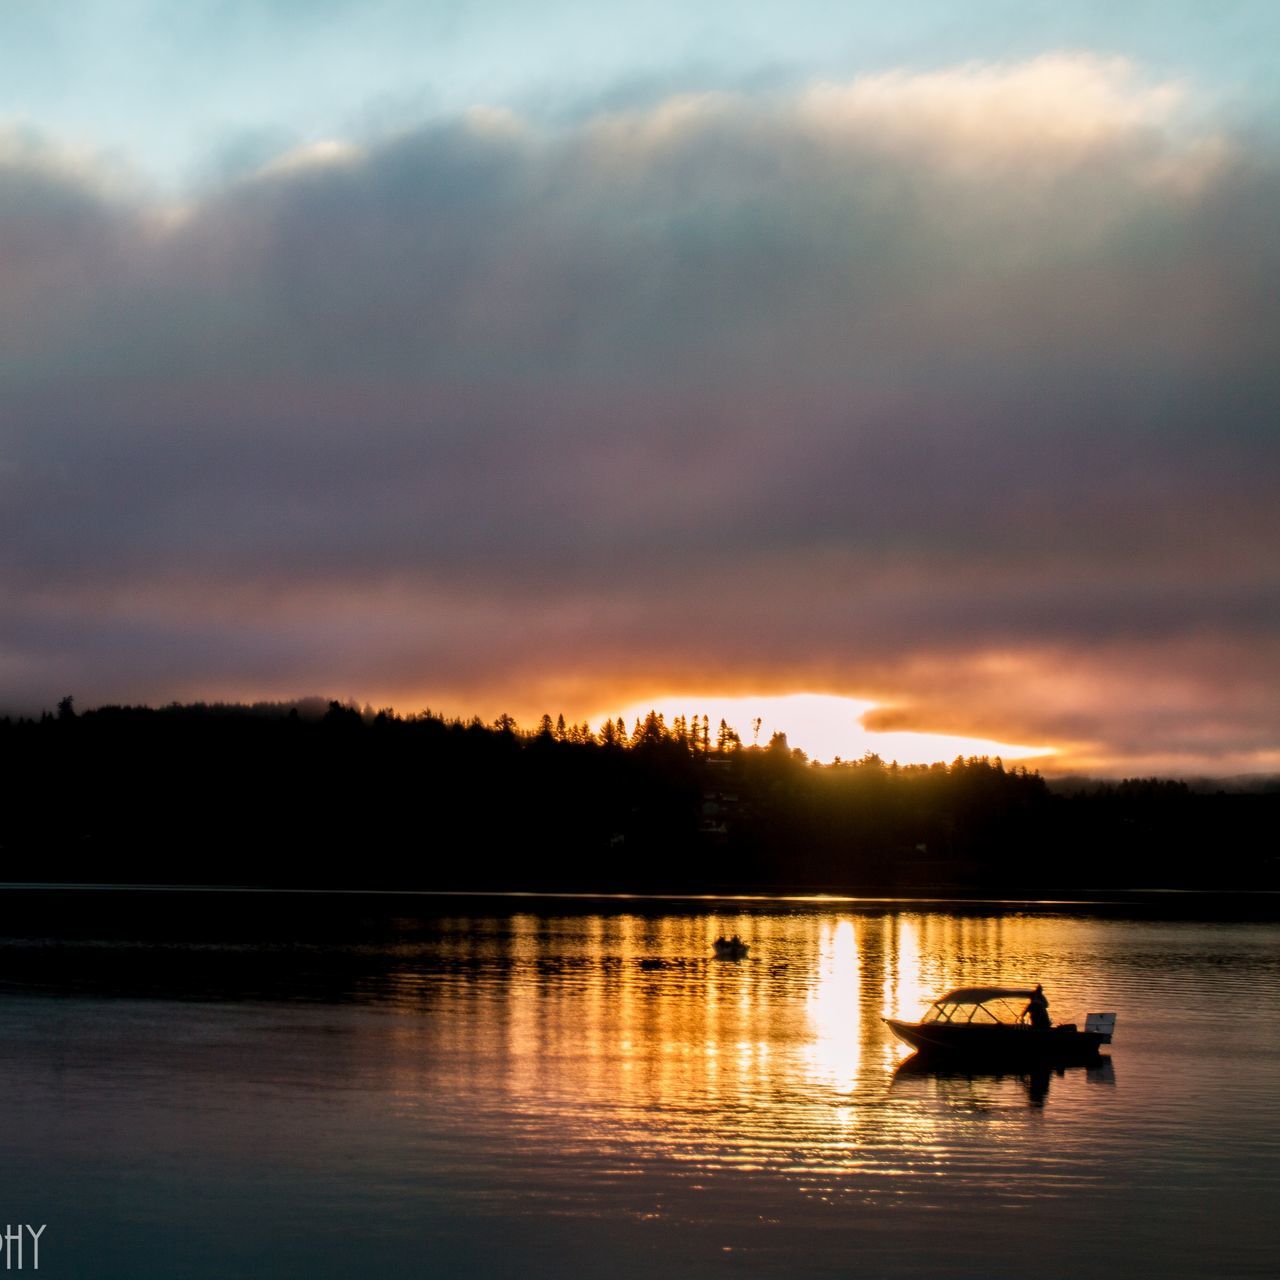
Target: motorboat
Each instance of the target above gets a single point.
(1000, 1024)
(730, 948)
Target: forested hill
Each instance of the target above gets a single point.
(272, 795)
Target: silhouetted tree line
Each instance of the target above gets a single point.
(336, 795)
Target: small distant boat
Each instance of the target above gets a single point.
(730, 948)
(992, 1024)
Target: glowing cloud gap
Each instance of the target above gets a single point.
(826, 726)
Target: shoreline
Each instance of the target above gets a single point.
(1179, 902)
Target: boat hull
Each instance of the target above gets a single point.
(998, 1043)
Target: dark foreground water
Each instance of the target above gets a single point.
(226, 1085)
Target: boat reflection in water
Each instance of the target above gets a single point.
(962, 1083)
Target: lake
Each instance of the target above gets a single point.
(315, 1085)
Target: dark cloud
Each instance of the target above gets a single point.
(918, 389)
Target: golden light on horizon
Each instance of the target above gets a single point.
(824, 726)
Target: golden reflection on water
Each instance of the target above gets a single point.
(622, 1039)
(510, 1081)
(834, 1002)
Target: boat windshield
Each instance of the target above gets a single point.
(1003, 1010)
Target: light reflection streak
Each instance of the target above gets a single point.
(623, 1039)
(834, 1003)
(903, 983)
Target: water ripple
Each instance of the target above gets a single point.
(466, 1080)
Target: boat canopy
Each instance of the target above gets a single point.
(980, 995)
(979, 1005)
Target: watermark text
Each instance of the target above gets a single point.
(22, 1246)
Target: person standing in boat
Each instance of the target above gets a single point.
(1037, 1010)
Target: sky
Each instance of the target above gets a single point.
(570, 357)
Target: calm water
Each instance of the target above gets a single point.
(274, 1085)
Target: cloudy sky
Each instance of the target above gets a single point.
(566, 356)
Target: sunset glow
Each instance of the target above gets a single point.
(826, 726)
(528, 359)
